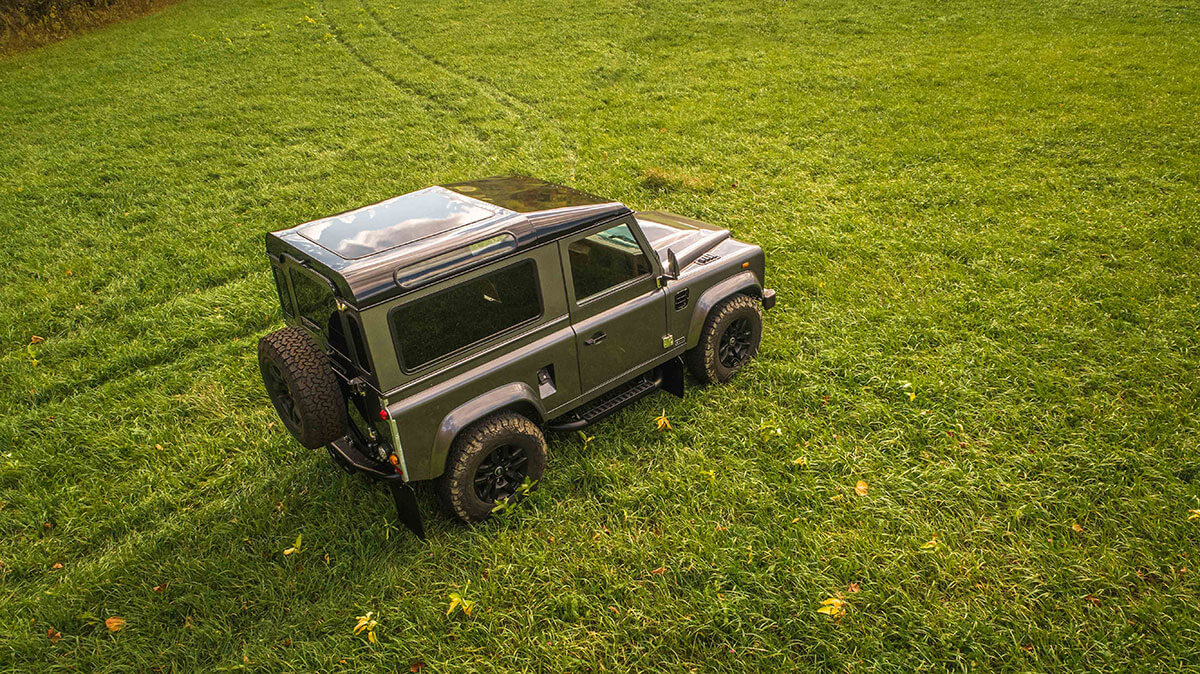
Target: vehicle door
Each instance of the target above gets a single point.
(617, 308)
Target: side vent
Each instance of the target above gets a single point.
(707, 257)
(681, 299)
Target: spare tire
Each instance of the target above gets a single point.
(302, 386)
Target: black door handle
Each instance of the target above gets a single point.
(595, 339)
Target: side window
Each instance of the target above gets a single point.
(465, 313)
(605, 259)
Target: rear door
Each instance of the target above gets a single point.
(617, 309)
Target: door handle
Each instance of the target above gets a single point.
(595, 339)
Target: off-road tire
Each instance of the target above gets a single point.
(704, 359)
(303, 379)
(457, 486)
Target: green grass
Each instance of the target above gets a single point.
(994, 208)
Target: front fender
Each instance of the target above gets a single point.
(744, 282)
(517, 396)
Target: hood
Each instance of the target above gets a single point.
(687, 238)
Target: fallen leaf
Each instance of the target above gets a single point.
(835, 497)
(36, 340)
(1078, 529)
(860, 488)
(852, 588)
(795, 519)
(1194, 514)
(659, 571)
(160, 588)
(295, 546)
(158, 447)
(114, 624)
(832, 607)
(661, 422)
(416, 666)
(1095, 600)
(57, 565)
(911, 396)
(800, 461)
(931, 544)
(53, 635)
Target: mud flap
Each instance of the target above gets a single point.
(406, 507)
(672, 377)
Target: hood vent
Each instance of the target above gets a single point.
(707, 257)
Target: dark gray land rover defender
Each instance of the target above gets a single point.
(435, 334)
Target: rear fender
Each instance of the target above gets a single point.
(744, 282)
(517, 397)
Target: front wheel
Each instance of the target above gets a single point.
(729, 339)
(494, 461)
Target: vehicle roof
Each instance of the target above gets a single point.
(438, 231)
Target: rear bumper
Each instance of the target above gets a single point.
(768, 298)
(348, 456)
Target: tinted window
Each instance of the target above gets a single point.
(314, 299)
(605, 259)
(467, 312)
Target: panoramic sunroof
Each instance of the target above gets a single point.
(395, 222)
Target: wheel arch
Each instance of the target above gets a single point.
(516, 397)
(744, 282)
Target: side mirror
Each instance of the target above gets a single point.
(672, 266)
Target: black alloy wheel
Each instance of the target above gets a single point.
(501, 473)
(736, 343)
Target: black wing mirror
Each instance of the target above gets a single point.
(672, 272)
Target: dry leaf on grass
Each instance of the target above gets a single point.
(114, 624)
(295, 546)
(860, 488)
(53, 635)
(832, 607)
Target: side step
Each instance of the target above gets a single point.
(668, 376)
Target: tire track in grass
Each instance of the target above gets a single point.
(517, 106)
(86, 360)
(431, 104)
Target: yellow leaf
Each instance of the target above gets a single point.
(1078, 529)
(371, 637)
(114, 624)
(832, 607)
(467, 606)
(931, 544)
(661, 422)
(800, 461)
(860, 488)
(295, 546)
(835, 497)
(1194, 514)
(911, 396)
(455, 600)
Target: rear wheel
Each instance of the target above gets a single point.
(729, 339)
(489, 464)
(302, 387)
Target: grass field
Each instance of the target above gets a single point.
(983, 221)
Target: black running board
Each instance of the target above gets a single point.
(668, 376)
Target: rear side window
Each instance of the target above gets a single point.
(465, 313)
(604, 260)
